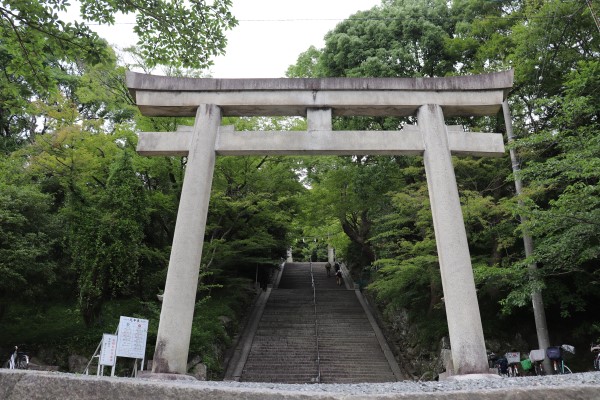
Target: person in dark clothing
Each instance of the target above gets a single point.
(328, 268)
(338, 277)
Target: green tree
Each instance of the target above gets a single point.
(553, 55)
(562, 194)
(252, 205)
(109, 246)
(307, 65)
(170, 33)
(482, 39)
(28, 240)
(40, 53)
(400, 38)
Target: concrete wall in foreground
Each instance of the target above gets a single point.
(34, 385)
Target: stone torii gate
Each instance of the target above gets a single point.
(429, 99)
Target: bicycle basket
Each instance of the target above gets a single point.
(526, 364)
(537, 355)
(568, 348)
(513, 357)
(553, 353)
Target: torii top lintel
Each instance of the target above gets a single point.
(457, 95)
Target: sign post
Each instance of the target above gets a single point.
(108, 353)
(132, 336)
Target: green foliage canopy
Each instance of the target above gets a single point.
(41, 53)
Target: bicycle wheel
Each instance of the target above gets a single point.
(22, 363)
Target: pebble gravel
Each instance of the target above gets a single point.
(576, 379)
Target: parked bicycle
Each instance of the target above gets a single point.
(526, 366)
(513, 359)
(537, 358)
(595, 348)
(493, 361)
(492, 357)
(18, 360)
(555, 354)
(500, 363)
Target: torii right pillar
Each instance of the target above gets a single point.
(462, 309)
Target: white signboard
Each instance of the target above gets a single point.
(513, 357)
(132, 337)
(108, 354)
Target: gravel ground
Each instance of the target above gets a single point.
(577, 379)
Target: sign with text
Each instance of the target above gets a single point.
(108, 354)
(513, 357)
(132, 337)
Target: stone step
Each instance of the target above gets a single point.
(285, 344)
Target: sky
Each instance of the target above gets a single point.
(270, 35)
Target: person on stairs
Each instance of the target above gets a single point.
(338, 277)
(328, 268)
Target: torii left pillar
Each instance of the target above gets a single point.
(176, 316)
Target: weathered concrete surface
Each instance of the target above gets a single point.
(319, 119)
(175, 327)
(321, 142)
(476, 144)
(37, 385)
(460, 298)
(457, 95)
(498, 80)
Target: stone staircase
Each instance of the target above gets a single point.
(311, 336)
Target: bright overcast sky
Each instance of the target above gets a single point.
(270, 34)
